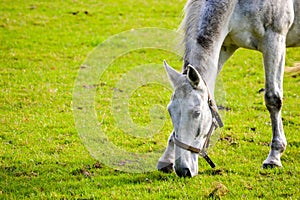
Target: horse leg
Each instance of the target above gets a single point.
(166, 161)
(225, 54)
(274, 60)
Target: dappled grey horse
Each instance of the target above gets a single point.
(213, 30)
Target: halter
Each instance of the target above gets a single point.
(216, 123)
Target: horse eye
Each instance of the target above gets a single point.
(198, 132)
(196, 113)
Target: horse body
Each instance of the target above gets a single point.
(251, 21)
(213, 31)
(293, 36)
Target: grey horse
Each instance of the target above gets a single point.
(213, 31)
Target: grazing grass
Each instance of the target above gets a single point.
(43, 45)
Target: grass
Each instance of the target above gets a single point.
(43, 45)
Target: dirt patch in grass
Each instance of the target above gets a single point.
(293, 71)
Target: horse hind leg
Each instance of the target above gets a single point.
(274, 60)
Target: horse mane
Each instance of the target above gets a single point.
(190, 21)
(203, 20)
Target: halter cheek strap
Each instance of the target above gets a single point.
(194, 150)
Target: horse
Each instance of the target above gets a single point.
(213, 31)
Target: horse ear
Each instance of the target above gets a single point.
(194, 77)
(173, 75)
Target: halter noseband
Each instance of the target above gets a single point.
(216, 123)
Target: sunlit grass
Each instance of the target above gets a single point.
(43, 45)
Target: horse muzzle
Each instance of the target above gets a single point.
(183, 172)
(187, 164)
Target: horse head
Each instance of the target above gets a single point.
(191, 116)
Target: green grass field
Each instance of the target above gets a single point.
(43, 46)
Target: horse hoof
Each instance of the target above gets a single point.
(165, 167)
(270, 166)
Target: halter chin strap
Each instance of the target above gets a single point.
(216, 122)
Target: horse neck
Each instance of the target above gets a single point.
(206, 63)
(206, 26)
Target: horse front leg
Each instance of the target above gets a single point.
(274, 61)
(166, 161)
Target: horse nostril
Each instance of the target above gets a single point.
(185, 172)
